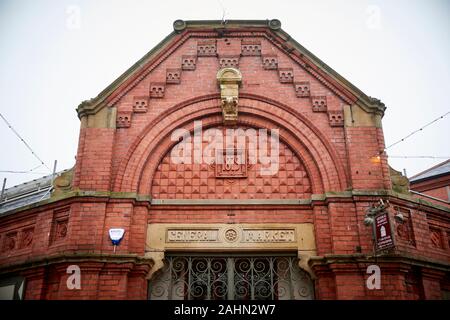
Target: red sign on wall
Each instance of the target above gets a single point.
(383, 232)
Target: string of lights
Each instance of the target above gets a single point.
(21, 172)
(31, 171)
(416, 131)
(25, 171)
(24, 142)
(420, 157)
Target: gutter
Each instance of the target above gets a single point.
(428, 196)
(25, 195)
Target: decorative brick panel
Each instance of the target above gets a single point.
(157, 90)
(10, 241)
(19, 238)
(286, 75)
(60, 226)
(206, 48)
(336, 118)
(140, 104)
(270, 62)
(250, 47)
(229, 61)
(173, 76)
(26, 237)
(123, 119)
(436, 238)
(448, 239)
(61, 229)
(319, 103)
(404, 229)
(188, 62)
(302, 89)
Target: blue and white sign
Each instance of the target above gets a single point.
(116, 235)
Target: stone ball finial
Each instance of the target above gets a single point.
(179, 25)
(275, 24)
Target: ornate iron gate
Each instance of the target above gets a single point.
(231, 278)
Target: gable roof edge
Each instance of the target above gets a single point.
(369, 104)
(93, 105)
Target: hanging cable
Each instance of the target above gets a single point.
(24, 171)
(414, 132)
(28, 172)
(26, 144)
(419, 157)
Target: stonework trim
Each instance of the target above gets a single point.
(230, 237)
(78, 195)
(363, 260)
(73, 258)
(159, 202)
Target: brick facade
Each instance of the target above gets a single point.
(433, 184)
(330, 161)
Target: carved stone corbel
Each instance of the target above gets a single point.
(158, 260)
(229, 81)
(303, 263)
(62, 184)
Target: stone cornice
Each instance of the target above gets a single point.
(316, 199)
(78, 257)
(407, 259)
(75, 195)
(184, 202)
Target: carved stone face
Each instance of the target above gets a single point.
(229, 103)
(230, 109)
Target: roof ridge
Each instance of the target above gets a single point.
(430, 169)
(34, 180)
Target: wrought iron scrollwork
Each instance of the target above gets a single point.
(232, 278)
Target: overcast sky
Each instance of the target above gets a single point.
(55, 54)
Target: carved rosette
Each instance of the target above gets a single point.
(229, 80)
(10, 242)
(231, 235)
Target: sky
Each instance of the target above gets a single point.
(55, 54)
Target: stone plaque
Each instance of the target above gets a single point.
(192, 235)
(264, 235)
(232, 164)
(200, 237)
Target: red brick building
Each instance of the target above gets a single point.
(433, 184)
(212, 230)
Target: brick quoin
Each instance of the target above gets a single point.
(332, 171)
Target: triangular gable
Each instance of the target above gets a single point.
(271, 29)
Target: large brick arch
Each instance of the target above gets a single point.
(321, 163)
